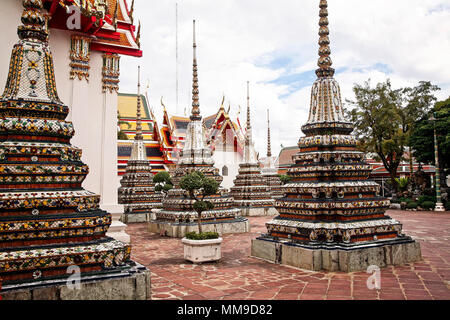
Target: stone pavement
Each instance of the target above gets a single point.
(238, 276)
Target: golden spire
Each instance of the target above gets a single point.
(223, 101)
(324, 62)
(138, 135)
(195, 114)
(269, 147)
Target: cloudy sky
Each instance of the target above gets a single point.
(273, 44)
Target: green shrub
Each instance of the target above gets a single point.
(425, 198)
(447, 206)
(202, 236)
(407, 200)
(412, 205)
(428, 205)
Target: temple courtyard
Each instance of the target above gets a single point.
(238, 276)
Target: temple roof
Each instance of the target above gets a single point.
(109, 22)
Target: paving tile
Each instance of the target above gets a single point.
(239, 277)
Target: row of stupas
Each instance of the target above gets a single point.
(332, 217)
(137, 191)
(177, 217)
(48, 222)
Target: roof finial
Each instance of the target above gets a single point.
(269, 147)
(138, 135)
(324, 62)
(195, 99)
(223, 101)
(138, 36)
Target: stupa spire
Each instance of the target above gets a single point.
(138, 135)
(195, 113)
(248, 137)
(324, 61)
(269, 147)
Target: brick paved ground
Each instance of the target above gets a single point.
(238, 276)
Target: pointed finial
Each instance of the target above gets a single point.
(163, 105)
(269, 147)
(132, 11)
(115, 16)
(138, 135)
(138, 36)
(324, 62)
(195, 114)
(223, 101)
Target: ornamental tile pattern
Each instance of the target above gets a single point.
(47, 221)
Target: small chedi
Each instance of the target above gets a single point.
(48, 222)
(137, 191)
(332, 216)
(177, 216)
(250, 191)
(269, 171)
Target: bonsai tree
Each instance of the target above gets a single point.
(198, 187)
(162, 181)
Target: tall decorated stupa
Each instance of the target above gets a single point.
(332, 217)
(269, 170)
(250, 191)
(50, 227)
(177, 216)
(137, 191)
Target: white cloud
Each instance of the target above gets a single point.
(238, 40)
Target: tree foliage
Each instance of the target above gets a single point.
(163, 181)
(385, 117)
(198, 187)
(422, 137)
(285, 178)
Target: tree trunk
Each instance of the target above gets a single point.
(199, 221)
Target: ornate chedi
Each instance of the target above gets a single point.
(250, 191)
(137, 191)
(48, 222)
(332, 216)
(178, 216)
(269, 171)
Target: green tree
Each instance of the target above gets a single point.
(198, 187)
(384, 118)
(163, 182)
(422, 137)
(284, 178)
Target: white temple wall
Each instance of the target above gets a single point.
(231, 160)
(93, 113)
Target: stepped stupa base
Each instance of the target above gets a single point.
(128, 283)
(337, 257)
(258, 211)
(134, 217)
(179, 229)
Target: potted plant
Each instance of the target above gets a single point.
(201, 246)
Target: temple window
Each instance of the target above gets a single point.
(224, 171)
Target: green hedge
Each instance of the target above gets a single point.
(202, 236)
(426, 198)
(428, 205)
(412, 205)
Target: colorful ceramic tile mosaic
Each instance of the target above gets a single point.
(250, 187)
(196, 156)
(330, 200)
(47, 221)
(137, 191)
